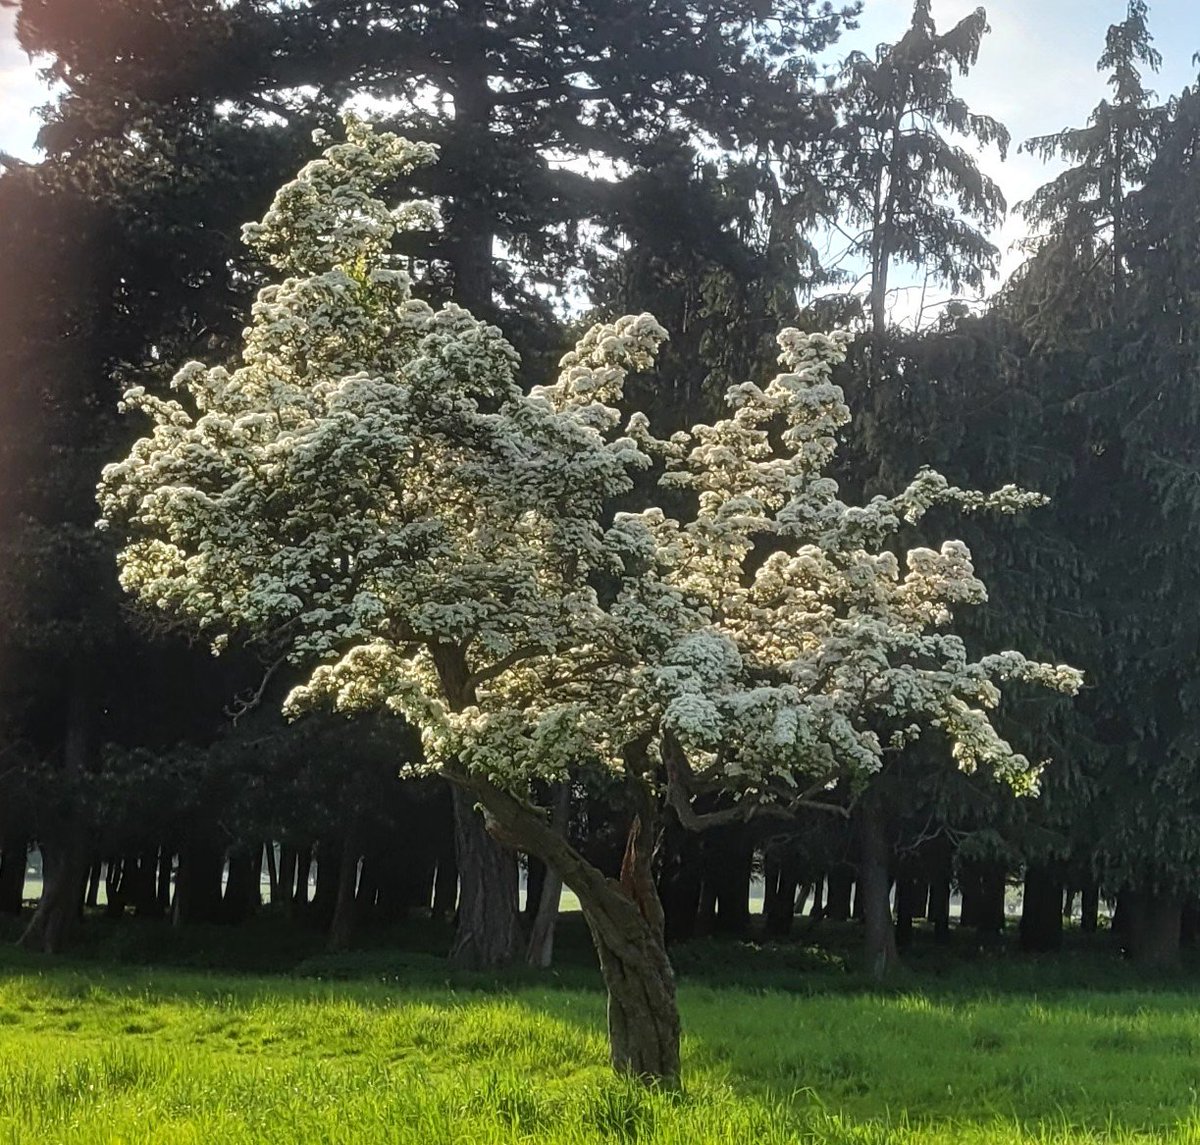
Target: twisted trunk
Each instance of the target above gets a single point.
(625, 918)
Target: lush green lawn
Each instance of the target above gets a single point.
(91, 1052)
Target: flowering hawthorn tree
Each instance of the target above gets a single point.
(374, 495)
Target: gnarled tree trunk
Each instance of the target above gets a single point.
(625, 918)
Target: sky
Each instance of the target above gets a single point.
(1036, 74)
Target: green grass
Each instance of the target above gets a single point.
(379, 1046)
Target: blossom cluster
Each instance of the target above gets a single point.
(372, 492)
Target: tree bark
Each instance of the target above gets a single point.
(874, 885)
(488, 932)
(304, 858)
(65, 856)
(91, 896)
(198, 883)
(329, 875)
(780, 881)
(1154, 930)
(1089, 907)
(272, 873)
(679, 880)
(12, 875)
(912, 898)
(165, 866)
(243, 888)
(540, 951)
(341, 926)
(64, 875)
(470, 224)
(144, 891)
(1041, 925)
(732, 867)
(119, 876)
(840, 882)
(817, 911)
(445, 885)
(625, 918)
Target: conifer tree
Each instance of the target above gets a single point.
(917, 197)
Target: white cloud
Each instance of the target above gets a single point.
(21, 92)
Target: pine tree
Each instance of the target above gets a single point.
(917, 197)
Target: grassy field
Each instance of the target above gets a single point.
(385, 1047)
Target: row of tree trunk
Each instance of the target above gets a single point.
(705, 889)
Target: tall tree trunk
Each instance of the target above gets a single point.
(272, 872)
(445, 885)
(366, 897)
(198, 897)
(939, 859)
(243, 889)
(1042, 910)
(144, 891)
(341, 926)
(470, 225)
(64, 875)
(304, 858)
(939, 908)
(329, 873)
(65, 857)
(875, 889)
(679, 880)
(488, 931)
(992, 918)
(912, 899)
(119, 877)
(540, 951)
(780, 881)
(166, 865)
(91, 896)
(1089, 907)
(982, 885)
(13, 861)
(728, 867)
(1154, 930)
(840, 882)
(817, 911)
(286, 879)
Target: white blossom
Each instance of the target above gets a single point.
(372, 491)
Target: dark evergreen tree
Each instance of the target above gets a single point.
(916, 197)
